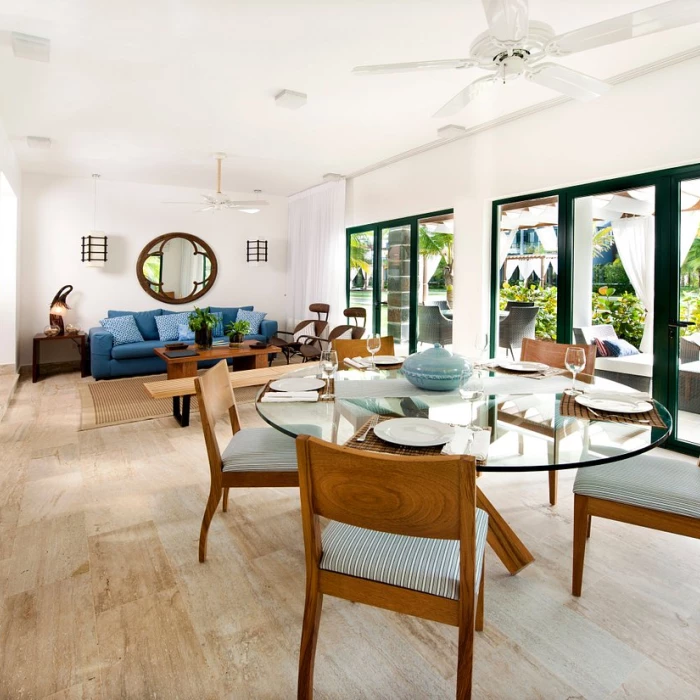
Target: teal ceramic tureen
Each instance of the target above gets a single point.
(435, 369)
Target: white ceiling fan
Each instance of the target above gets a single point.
(514, 46)
(220, 200)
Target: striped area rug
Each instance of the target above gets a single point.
(117, 401)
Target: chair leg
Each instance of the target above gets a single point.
(479, 621)
(212, 505)
(225, 506)
(580, 528)
(309, 637)
(465, 660)
(553, 481)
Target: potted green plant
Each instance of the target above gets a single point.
(202, 321)
(236, 330)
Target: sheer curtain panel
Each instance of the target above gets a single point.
(316, 258)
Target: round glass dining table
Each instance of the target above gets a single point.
(527, 429)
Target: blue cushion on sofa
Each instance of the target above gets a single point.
(255, 318)
(136, 350)
(145, 321)
(123, 329)
(184, 332)
(168, 325)
(229, 312)
(619, 348)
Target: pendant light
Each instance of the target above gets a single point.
(94, 247)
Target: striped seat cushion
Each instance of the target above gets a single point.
(657, 483)
(264, 449)
(418, 563)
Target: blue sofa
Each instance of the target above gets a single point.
(131, 359)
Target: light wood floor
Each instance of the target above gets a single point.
(102, 595)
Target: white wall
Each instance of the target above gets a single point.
(642, 125)
(57, 211)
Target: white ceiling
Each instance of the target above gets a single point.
(145, 90)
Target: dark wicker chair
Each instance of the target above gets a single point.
(518, 324)
(356, 314)
(312, 351)
(516, 304)
(433, 327)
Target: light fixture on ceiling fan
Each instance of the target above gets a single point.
(220, 200)
(514, 46)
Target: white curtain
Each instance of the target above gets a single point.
(634, 239)
(316, 253)
(548, 237)
(690, 220)
(505, 240)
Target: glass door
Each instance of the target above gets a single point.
(361, 272)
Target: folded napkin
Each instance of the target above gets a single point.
(470, 442)
(281, 396)
(633, 397)
(358, 362)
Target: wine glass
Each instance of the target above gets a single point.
(478, 345)
(374, 342)
(575, 361)
(329, 364)
(471, 388)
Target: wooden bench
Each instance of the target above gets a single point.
(176, 388)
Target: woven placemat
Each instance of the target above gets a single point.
(373, 443)
(569, 407)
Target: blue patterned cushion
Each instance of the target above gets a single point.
(619, 348)
(418, 563)
(218, 330)
(184, 332)
(123, 328)
(253, 317)
(168, 325)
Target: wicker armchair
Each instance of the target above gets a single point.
(515, 304)
(518, 324)
(433, 327)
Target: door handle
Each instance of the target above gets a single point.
(680, 324)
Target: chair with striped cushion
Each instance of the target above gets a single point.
(654, 492)
(405, 535)
(253, 456)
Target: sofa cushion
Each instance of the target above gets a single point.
(229, 312)
(145, 321)
(184, 332)
(168, 325)
(620, 348)
(255, 318)
(641, 365)
(218, 329)
(123, 328)
(130, 351)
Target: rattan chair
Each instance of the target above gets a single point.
(312, 351)
(433, 327)
(518, 304)
(518, 324)
(404, 535)
(356, 314)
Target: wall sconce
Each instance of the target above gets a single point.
(58, 308)
(256, 252)
(94, 247)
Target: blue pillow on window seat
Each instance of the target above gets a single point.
(619, 348)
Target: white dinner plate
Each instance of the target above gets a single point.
(414, 432)
(298, 384)
(522, 366)
(386, 360)
(614, 406)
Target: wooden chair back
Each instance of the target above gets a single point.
(320, 310)
(553, 354)
(353, 348)
(215, 398)
(356, 313)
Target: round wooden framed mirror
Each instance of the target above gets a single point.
(176, 268)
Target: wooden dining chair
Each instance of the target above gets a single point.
(650, 491)
(405, 535)
(253, 456)
(553, 354)
(355, 348)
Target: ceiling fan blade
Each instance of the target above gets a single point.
(508, 19)
(190, 203)
(567, 81)
(657, 18)
(250, 203)
(457, 63)
(463, 98)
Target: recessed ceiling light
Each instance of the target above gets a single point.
(33, 48)
(43, 142)
(290, 99)
(450, 131)
(332, 177)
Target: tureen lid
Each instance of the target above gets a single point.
(434, 359)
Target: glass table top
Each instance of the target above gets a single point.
(527, 431)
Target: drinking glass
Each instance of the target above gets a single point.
(479, 344)
(374, 342)
(575, 361)
(471, 388)
(329, 364)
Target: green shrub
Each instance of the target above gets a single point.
(625, 313)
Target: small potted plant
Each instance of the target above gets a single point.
(202, 321)
(235, 331)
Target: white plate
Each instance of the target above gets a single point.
(615, 406)
(523, 366)
(386, 360)
(414, 432)
(298, 384)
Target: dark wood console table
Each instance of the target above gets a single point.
(80, 340)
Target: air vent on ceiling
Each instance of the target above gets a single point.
(33, 48)
(43, 142)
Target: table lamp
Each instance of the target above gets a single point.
(59, 306)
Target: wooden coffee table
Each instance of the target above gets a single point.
(244, 357)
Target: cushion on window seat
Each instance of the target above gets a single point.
(641, 364)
